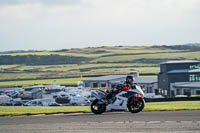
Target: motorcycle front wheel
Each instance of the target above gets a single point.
(136, 106)
(97, 108)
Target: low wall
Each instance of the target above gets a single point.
(172, 99)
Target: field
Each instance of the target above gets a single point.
(98, 52)
(154, 106)
(128, 58)
(97, 61)
(68, 81)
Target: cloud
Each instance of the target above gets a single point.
(45, 2)
(76, 23)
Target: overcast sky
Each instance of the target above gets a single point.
(61, 24)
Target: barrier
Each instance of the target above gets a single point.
(172, 99)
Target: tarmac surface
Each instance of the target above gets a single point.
(112, 122)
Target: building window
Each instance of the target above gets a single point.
(195, 66)
(149, 90)
(156, 92)
(197, 92)
(187, 92)
(194, 77)
(113, 86)
(87, 85)
(95, 85)
(103, 85)
(178, 91)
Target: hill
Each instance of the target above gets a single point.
(90, 61)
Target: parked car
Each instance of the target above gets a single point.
(17, 103)
(7, 104)
(54, 104)
(4, 99)
(33, 103)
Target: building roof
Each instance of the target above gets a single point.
(183, 71)
(187, 85)
(146, 80)
(180, 61)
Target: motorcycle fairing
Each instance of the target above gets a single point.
(129, 94)
(119, 104)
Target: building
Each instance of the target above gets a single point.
(178, 77)
(149, 84)
(104, 81)
(186, 88)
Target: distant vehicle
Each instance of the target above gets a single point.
(17, 103)
(78, 100)
(12, 93)
(14, 103)
(7, 104)
(32, 92)
(47, 101)
(46, 95)
(62, 100)
(34, 103)
(40, 102)
(54, 104)
(4, 99)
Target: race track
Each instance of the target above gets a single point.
(155, 122)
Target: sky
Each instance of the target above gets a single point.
(64, 24)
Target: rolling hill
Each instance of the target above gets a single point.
(65, 63)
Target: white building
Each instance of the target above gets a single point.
(186, 88)
(149, 84)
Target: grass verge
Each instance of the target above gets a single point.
(66, 81)
(154, 106)
(36, 110)
(172, 106)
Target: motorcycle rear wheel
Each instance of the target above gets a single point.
(97, 108)
(136, 106)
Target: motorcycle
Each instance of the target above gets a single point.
(118, 99)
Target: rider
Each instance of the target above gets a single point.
(128, 84)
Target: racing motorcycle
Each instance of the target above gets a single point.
(118, 99)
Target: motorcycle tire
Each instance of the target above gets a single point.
(100, 108)
(136, 106)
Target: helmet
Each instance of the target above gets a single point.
(129, 79)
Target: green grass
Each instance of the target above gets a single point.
(67, 67)
(90, 52)
(7, 66)
(146, 63)
(186, 55)
(140, 51)
(68, 81)
(147, 69)
(34, 110)
(154, 106)
(43, 71)
(172, 106)
(4, 76)
(55, 53)
(29, 67)
(127, 70)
